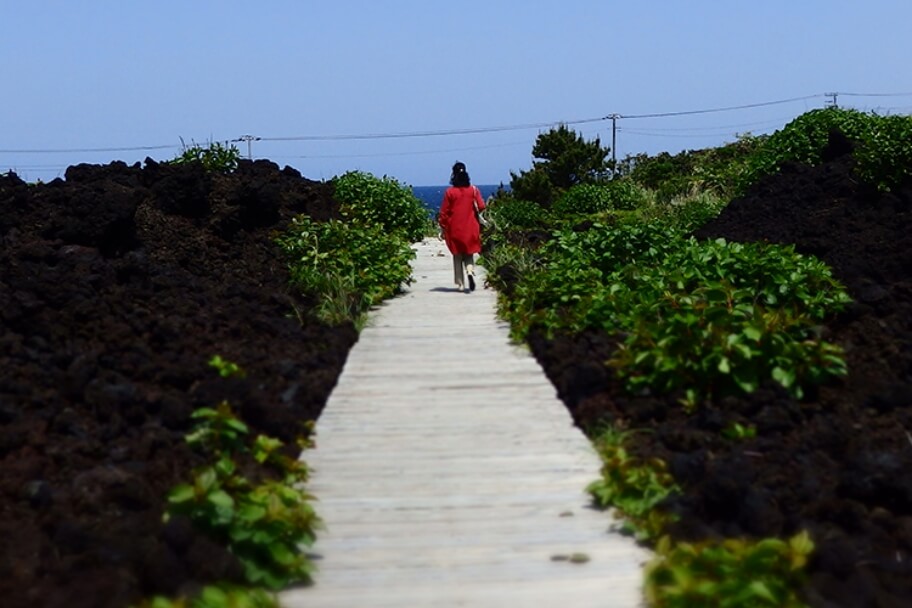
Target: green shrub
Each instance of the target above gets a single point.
(509, 213)
(265, 521)
(522, 260)
(686, 214)
(583, 199)
(347, 267)
(732, 573)
(632, 486)
(215, 157)
(704, 318)
(885, 157)
(217, 596)
(587, 199)
(381, 202)
(567, 289)
(713, 170)
(718, 318)
(883, 153)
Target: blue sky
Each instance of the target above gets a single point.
(125, 74)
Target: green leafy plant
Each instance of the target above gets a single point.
(226, 368)
(716, 318)
(885, 156)
(217, 596)
(509, 213)
(883, 153)
(214, 156)
(685, 214)
(588, 199)
(739, 432)
(715, 171)
(633, 486)
(218, 430)
(706, 318)
(347, 267)
(568, 289)
(507, 259)
(733, 573)
(265, 521)
(381, 203)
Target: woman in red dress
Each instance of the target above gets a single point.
(460, 225)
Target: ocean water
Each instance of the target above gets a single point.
(432, 196)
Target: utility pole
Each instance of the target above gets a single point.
(832, 103)
(248, 139)
(614, 118)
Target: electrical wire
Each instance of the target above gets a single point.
(724, 109)
(696, 130)
(86, 150)
(871, 94)
(467, 131)
(412, 153)
(411, 134)
(691, 136)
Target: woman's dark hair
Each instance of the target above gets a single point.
(460, 176)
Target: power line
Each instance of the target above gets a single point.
(410, 134)
(762, 123)
(725, 109)
(876, 94)
(413, 153)
(85, 150)
(648, 133)
(614, 117)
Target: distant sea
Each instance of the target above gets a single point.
(432, 196)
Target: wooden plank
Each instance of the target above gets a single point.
(449, 474)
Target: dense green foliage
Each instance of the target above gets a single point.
(717, 318)
(506, 212)
(883, 153)
(214, 156)
(350, 265)
(381, 203)
(587, 199)
(885, 158)
(706, 318)
(733, 573)
(714, 170)
(563, 159)
(883, 145)
(685, 214)
(347, 266)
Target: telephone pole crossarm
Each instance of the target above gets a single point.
(248, 139)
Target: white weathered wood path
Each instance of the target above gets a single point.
(449, 474)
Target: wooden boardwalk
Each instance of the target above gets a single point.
(449, 474)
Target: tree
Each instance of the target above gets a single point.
(564, 160)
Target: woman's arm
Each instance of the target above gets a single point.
(478, 198)
(443, 218)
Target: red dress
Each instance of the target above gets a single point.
(457, 218)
